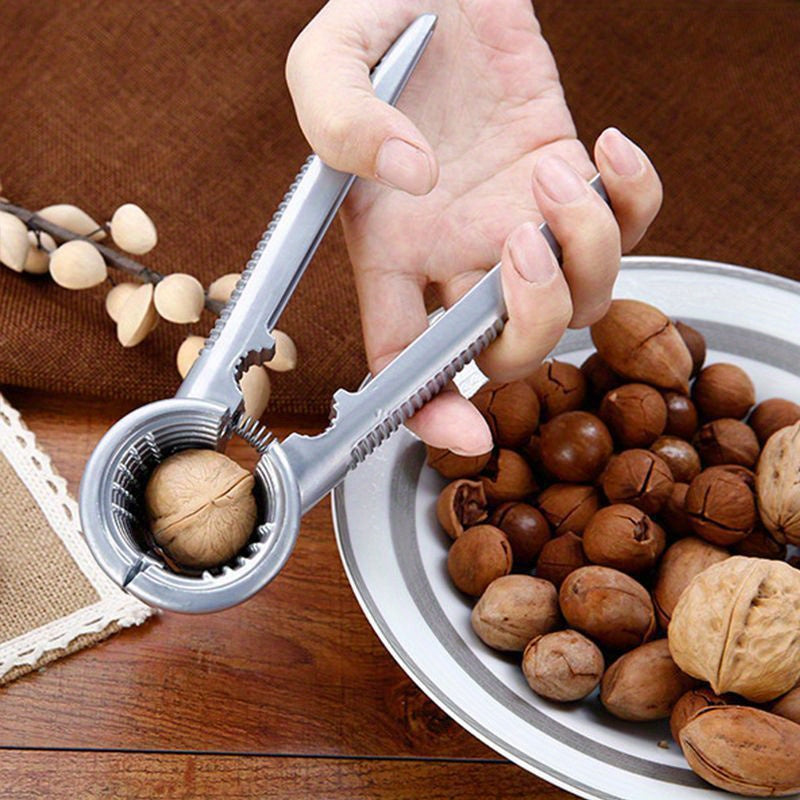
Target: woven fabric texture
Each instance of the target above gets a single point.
(182, 108)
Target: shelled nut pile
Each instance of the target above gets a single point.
(634, 530)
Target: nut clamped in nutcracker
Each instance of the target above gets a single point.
(292, 475)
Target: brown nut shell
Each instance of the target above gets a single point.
(696, 343)
(735, 626)
(788, 706)
(673, 514)
(727, 441)
(760, 544)
(568, 506)
(623, 537)
(507, 476)
(689, 704)
(515, 609)
(681, 458)
(526, 529)
(559, 386)
(778, 485)
(721, 505)
(563, 666)
(461, 504)
(638, 477)
(451, 465)
(575, 446)
(771, 415)
(644, 684)
(681, 562)
(723, 390)
(560, 557)
(641, 343)
(480, 555)
(600, 378)
(682, 416)
(609, 606)
(744, 750)
(510, 409)
(635, 413)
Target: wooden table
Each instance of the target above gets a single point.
(288, 695)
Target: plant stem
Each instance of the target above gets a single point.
(139, 271)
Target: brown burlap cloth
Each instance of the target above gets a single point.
(182, 108)
(54, 599)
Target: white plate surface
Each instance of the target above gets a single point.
(395, 554)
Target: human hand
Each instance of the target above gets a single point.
(490, 153)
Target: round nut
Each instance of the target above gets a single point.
(623, 537)
(727, 441)
(285, 358)
(480, 555)
(117, 297)
(600, 378)
(451, 465)
(201, 507)
(635, 413)
(563, 666)
(222, 288)
(609, 606)
(132, 230)
(559, 386)
(515, 609)
(461, 504)
(689, 704)
(638, 477)
(681, 458)
(256, 390)
(526, 529)
(735, 626)
(507, 476)
(138, 316)
(188, 353)
(772, 415)
(41, 244)
(575, 446)
(681, 563)
(77, 264)
(673, 514)
(568, 506)
(14, 244)
(560, 557)
(788, 705)
(510, 409)
(723, 390)
(644, 684)
(179, 298)
(778, 486)
(721, 505)
(73, 219)
(760, 544)
(682, 417)
(696, 343)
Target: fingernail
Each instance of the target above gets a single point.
(531, 255)
(560, 182)
(621, 153)
(404, 166)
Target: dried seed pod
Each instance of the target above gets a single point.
(563, 666)
(635, 414)
(559, 557)
(689, 704)
(179, 298)
(723, 390)
(222, 288)
(507, 476)
(644, 684)
(460, 505)
(681, 458)
(673, 513)
(515, 609)
(735, 626)
(727, 441)
(451, 465)
(778, 486)
(256, 390)
(37, 262)
(623, 537)
(788, 705)
(696, 343)
(568, 506)
(201, 507)
(138, 316)
(681, 563)
(682, 417)
(77, 264)
(117, 297)
(721, 504)
(772, 415)
(285, 358)
(638, 477)
(510, 409)
(14, 242)
(609, 606)
(600, 378)
(480, 555)
(744, 750)
(73, 219)
(575, 446)
(526, 529)
(132, 230)
(188, 353)
(559, 386)
(640, 343)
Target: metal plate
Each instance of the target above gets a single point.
(395, 554)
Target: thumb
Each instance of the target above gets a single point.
(351, 130)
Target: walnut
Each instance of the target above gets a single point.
(201, 507)
(778, 484)
(735, 626)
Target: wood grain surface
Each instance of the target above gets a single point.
(288, 695)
